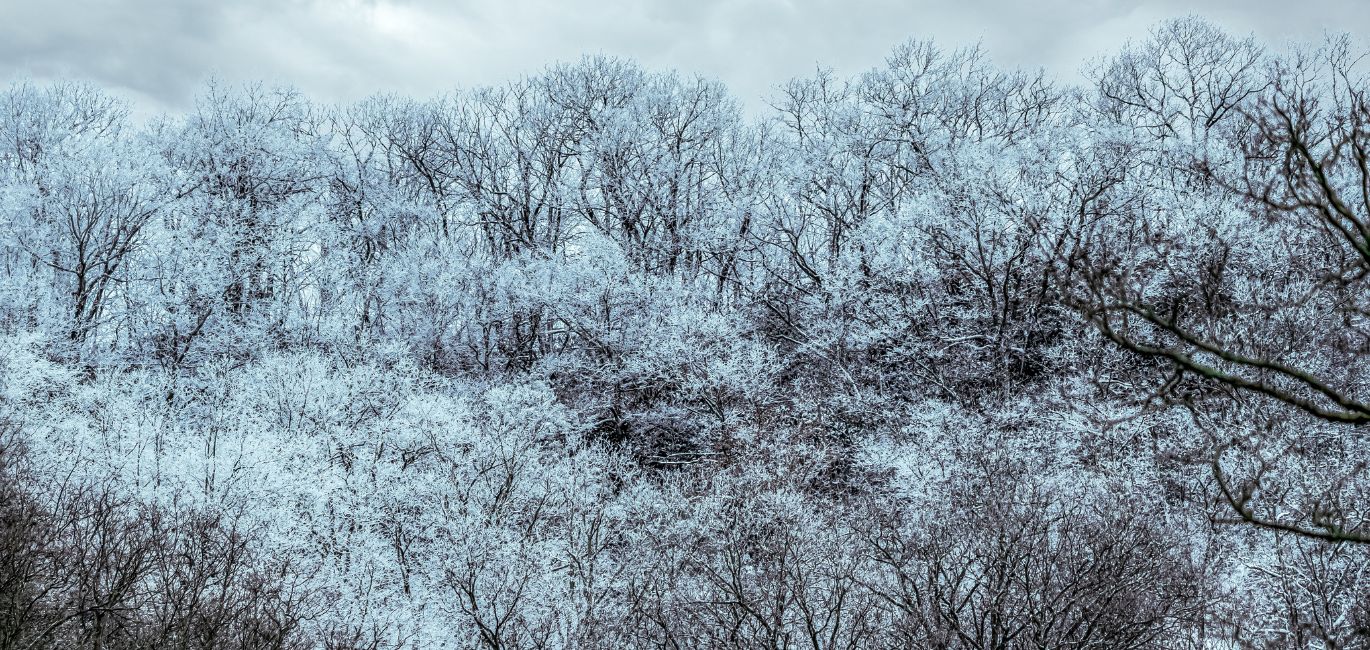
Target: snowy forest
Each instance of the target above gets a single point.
(945, 354)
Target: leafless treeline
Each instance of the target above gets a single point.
(943, 355)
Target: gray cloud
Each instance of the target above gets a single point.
(158, 51)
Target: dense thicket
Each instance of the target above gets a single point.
(942, 355)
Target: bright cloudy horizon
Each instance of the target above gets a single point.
(159, 53)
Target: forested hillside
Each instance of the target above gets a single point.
(941, 355)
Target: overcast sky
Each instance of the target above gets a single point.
(157, 52)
